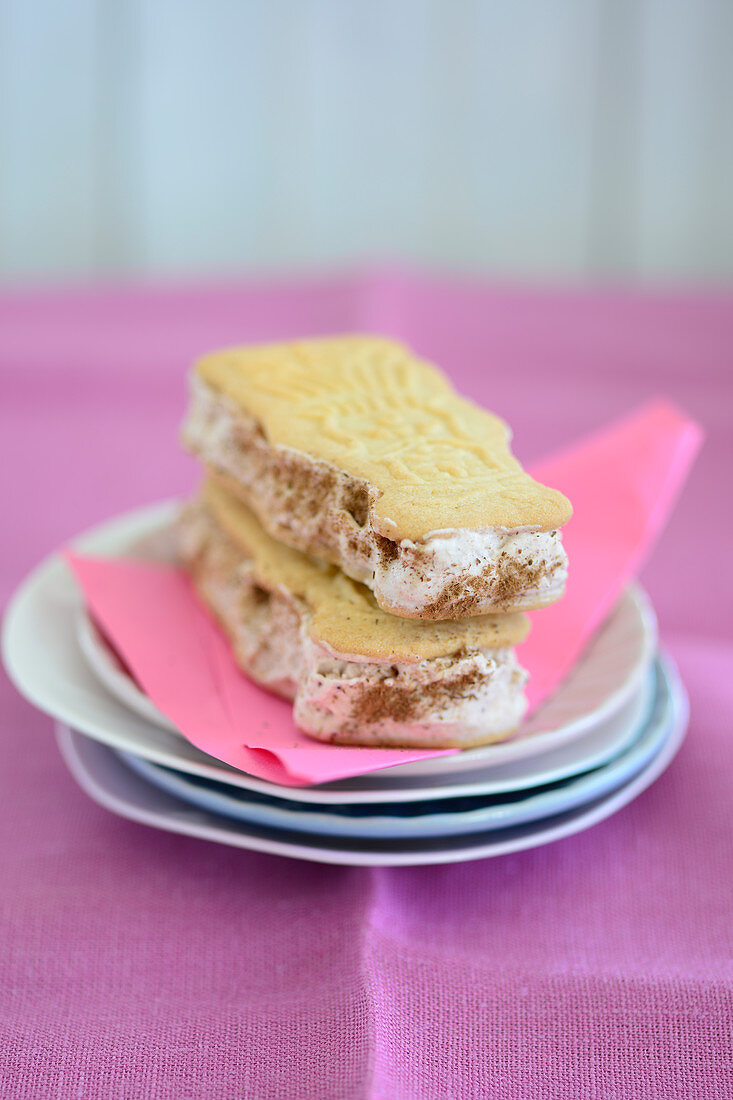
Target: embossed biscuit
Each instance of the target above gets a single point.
(357, 675)
(353, 449)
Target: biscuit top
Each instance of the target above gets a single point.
(345, 616)
(367, 406)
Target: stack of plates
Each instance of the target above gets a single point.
(606, 734)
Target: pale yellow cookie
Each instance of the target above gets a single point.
(353, 449)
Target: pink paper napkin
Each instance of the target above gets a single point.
(622, 482)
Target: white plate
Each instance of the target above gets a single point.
(441, 817)
(104, 777)
(604, 678)
(41, 621)
(603, 742)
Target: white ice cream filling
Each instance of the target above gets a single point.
(446, 557)
(331, 696)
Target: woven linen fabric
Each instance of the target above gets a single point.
(142, 964)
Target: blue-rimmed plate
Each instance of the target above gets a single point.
(439, 817)
(107, 780)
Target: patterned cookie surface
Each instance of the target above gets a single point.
(345, 614)
(366, 406)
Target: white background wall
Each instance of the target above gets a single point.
(531, 138)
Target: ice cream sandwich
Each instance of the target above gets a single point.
(356, 451)
(357, 674)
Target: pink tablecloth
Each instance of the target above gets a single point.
(136, 963)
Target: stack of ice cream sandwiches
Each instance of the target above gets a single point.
(367, 541)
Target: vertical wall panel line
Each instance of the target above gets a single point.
(117, 236)
(613, 236)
